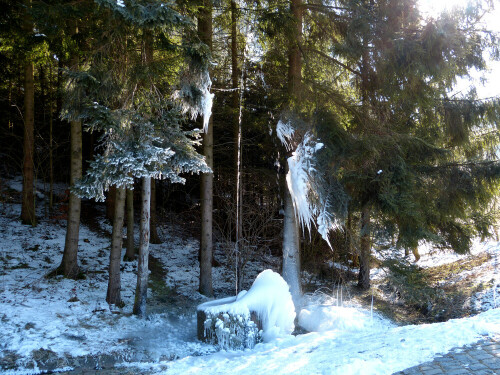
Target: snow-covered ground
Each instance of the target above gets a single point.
(362, 347)
(70, 318)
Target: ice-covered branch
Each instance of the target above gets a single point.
(305, 182)
(194, 96)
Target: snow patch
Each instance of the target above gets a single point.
(321, 318)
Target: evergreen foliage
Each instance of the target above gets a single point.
(120, 97)
(377, 91)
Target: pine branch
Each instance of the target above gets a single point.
(332, 59)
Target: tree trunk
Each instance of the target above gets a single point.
(51, 141)
(114, 284)
(110, 203)
(364, 250)
(291, 239)
(142, 270)
(130, 254)
(294, 56)
(206, 288)
(291, 250)
(70, 256)
(28, 199)
(155, 239)
(235, 102)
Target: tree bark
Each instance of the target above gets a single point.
(142, 271)
(364, 250)
(70, 256)
(51, 141)
(291, 234)
(206, 288)
(235, 102)
(155, 239)
(114, 283)
(294, 56)
(291, 250)
(130, 254)
(28, 199)
(110, 203)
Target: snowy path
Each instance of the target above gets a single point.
(482, 358)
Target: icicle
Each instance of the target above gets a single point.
(341, 304)
(371, 308)
(285, 132)
(207, 107)
(495, 296)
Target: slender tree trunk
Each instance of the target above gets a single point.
(9, 119)
(206, 288)
(28, 199)
(60, 67)
(291, 253)
(142, 271)
(291, 239)
(364, 250)
(155, 239)
(294, 56)
(110, 203)
(70, 256)
(51, 137)
(130, 254)
(349, 238)
(235, 103)
(147, 182)
(114, 283)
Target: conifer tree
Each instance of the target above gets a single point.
(416, 158)
(142, 129)
(207, 179)
(377, 95)
(291, 237)
(28, 201)
(69, 263)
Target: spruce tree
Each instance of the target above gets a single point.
(120, 94)
(418, 159)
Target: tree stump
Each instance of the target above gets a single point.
(227, 329)
(263, 313)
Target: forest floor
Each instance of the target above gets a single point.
(50, 324)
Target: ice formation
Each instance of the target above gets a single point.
(304, 182)
(300, 167)
(285, 131)
(201, 82)
(269, 299)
